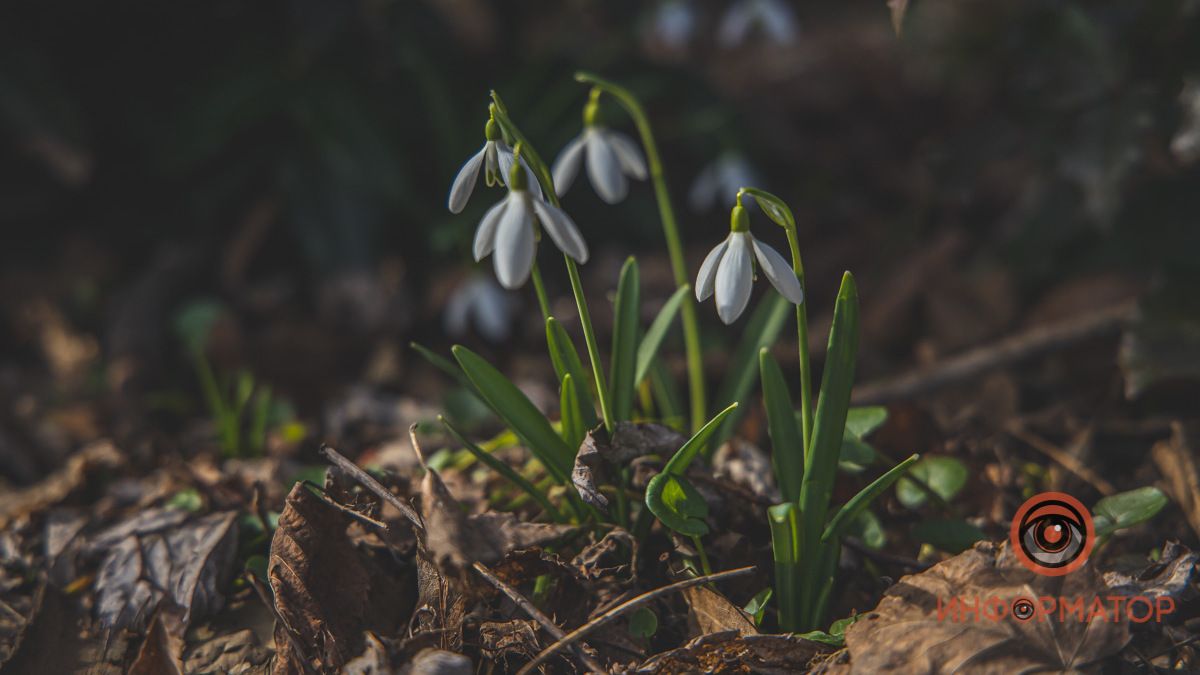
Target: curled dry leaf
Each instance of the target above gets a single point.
(159, 554)
(231, 654)
(597, 454)
(320, 585)
(711, 612)
(162, 650)
(60, 484)
(729, 652)
(906, 634)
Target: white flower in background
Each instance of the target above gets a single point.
(611, 156)
(723, 176)
(1186, 143)
(673, 22)
(728, 270)
(507, 232)
(773, 17)
(479, 301)
(496, 160)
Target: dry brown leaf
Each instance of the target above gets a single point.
(60, 484)
(320, 586)
(162, 650)
(1176, 459)
(729, 652)
(22, 591)
(711, 612)
(500, 640)
(904, 633)
(598, 454)
(231, 654)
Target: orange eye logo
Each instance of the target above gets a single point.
(1052, 534)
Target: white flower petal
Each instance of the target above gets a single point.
(485, 234)
(735, 24)
(464, 182)
(704, 189)
(562, 230)
(778, 272)
(604, 170)
(734, 278)
(566, 166)
(628, 154)
(708, 271)
(505, 156)
(777, 20)
(514, 242)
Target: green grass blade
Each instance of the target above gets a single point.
(845, 516)
(787, 448)
(566, 361)
(652, 341)
(573, 429)
(503, 469)
(785, 549)
(761, 331)
(625, 343)
(679, 463)
(519, 414)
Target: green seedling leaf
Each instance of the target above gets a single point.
(1127, 509)
(679, 463)
(952, 535)
(643, 623)
(774, 207)
(566, 360)
(787, 448)
(860, 422)
(257, 565)
(625, 342)
(867, 528)
(833, 405)
(519, 414)
(856, 454)
(443, 364)
(836, 636)
(503, 469)
(863, 499)
(573, 429)
(784, 520)
(761, 331)
(674, 501)
(946, 476)
(757, 606)
(186, 500)
(657, 332)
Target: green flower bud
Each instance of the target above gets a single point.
(739, 220)
(491, 131)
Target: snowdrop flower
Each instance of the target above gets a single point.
(774, 17)
(728, 173)
(728, 271)
(479, 301)
(611, 156)
(673, 22)
(507, 231)
(496, 160)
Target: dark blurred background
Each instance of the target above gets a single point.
(996, 164)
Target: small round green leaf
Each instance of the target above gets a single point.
(673, 500)
(643, 623)
(946, 476)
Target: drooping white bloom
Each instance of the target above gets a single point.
(673, 22)
(611, 156)
(496, 160)
(728, 271)
(774, 17)
(480, 302)
(507, 232)
(723, 176)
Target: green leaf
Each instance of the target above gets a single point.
(784, 520)
(657, 332)
(787, 449)
(775, 208)
(862, 421)
(761, 331)
(867, 528)
(674, 501)
(946, 476)
(832, 406)
(666, 396)
(519, 414)
(625, 338)
(446, 366)
(573, 429)
(503, 469)
(757, 606)
(952, 535)
(187, 499)
(863, 499)
(566, 360)
(856, 454)
(643, 623)
(1127, 509)
(684, 456)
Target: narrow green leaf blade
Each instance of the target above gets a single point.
(787, 449)
(653, 339)
(625, 339)
(1127, 509)
(679, 463)
(518, 413)
(573, 429)
(566, 361)
(761, 331)
(837, 527)
(503, 469)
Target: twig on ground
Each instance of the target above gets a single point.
(888, 558)
(551, 627)
(624, 607)
(1063, 458)
(373, 485)
(1032, 342)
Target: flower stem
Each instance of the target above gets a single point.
(691, 326)
(589, 336)
(540, 289)
(704, 566)
(806, 402)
